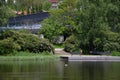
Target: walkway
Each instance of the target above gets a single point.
(65, 55)
(90, 58)
(60, 51)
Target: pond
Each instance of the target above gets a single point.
(59, 70)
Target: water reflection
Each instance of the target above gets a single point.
(93, 71)
(58, 70)
(30, 71)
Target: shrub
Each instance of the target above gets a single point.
(45, 45)
(27, 42)
(71, 44)
(8, 46)
(32, 43)
(8, 33)
(115, 53)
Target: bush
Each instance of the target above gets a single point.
(8, 33)
(71, 44)
(28, 42)
(45, 45)
(32, 43)
(8, 46)
(115, 53)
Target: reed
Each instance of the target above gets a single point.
(26, 56)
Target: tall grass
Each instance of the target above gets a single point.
(26, 56)
(15, 53)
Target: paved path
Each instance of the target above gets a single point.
(60, 52)
(90, 58)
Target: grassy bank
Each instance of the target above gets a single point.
(115, 53)
(58, 46)
(26, 56)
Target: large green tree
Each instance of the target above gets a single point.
(95, 23)
(59, 23)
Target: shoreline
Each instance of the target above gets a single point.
(67, 57)
(27, 58)
(90, 58)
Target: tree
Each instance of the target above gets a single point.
(30, 6)
(51, 26)
(5, 13)
(46, 5)
(91, 21)
(59, 23)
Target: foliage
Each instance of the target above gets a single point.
(95, 24)
(51, 26)
(27, 6)
(56, 24)
(28, 42)
(21, 53)
(71, 44)
(31, 6)
(112, 42)
(46, 5)
(8, 46)
(69, 4)
(114, 53)
(45, 45)
(9, 8)
(5, 13)
(96, 28)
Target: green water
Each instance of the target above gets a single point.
(58, 70)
